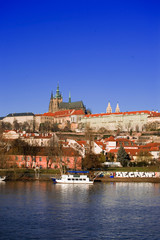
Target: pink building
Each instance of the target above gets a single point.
(69, 159)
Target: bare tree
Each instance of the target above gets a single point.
(89, 139)
(16, 125)
(51, 151)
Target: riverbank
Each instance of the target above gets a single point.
(105, 179)
(45, 175)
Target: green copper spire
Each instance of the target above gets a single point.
(69, 97)
(57, 91)
(58, 94)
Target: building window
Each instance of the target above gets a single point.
(16, 158)
(40, 159)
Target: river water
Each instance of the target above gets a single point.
(42, 210)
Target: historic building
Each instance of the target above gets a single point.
(24, 117)
(56, 103)
(124, 121)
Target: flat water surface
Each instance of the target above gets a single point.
(42, 210)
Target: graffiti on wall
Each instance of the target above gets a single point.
(137, 174)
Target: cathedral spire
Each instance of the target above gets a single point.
(52, 95)
(117, 108)
(57, 91)
(109, 109)
(69, 97)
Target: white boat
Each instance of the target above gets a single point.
(2, 179)
(73, 178)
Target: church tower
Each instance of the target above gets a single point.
(55, 101)
(117, 108)
(109, 109)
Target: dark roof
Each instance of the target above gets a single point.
(72, 105)
(20, 114)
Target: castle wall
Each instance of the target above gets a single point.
(121, 121)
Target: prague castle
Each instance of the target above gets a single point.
(62, 113)
(56, 103)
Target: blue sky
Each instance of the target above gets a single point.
(98, 50)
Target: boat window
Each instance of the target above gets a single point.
(77, 179)
(73, 179)
(69, 179)
(84, 179)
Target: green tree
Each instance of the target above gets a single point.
(122, 156)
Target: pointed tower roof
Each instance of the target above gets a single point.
(117, 108)
(58, 94)
(52, 95)
(69, 97)
(109, 109)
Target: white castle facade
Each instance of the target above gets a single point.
(124, 121)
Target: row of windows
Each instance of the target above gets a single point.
(28, 158)
(40, 159)
(76, 179)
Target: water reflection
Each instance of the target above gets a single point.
(42, 210)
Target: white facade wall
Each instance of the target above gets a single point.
(125, 122)
(19, 119)
(76, 118)
(76, 146)
(41, 142)
(11, 135)
(110, 145)
(155, 154)
(96, 148)
(38, 120)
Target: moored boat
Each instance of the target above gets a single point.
(2, 178)
(73, 177)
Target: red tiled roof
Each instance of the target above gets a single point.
(121, 113)
(154, 149)
(149, 145)
(48, 114)
(131, 152)
(123, 141)
(82, 142)
(64, 113)
(154, 114)
(100, 144)
(113, 151)
(78, 112)
(70, 152)
(110, 139)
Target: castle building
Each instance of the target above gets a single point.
(124, 121)
(57, 104)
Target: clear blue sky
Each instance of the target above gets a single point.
(100, 51)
